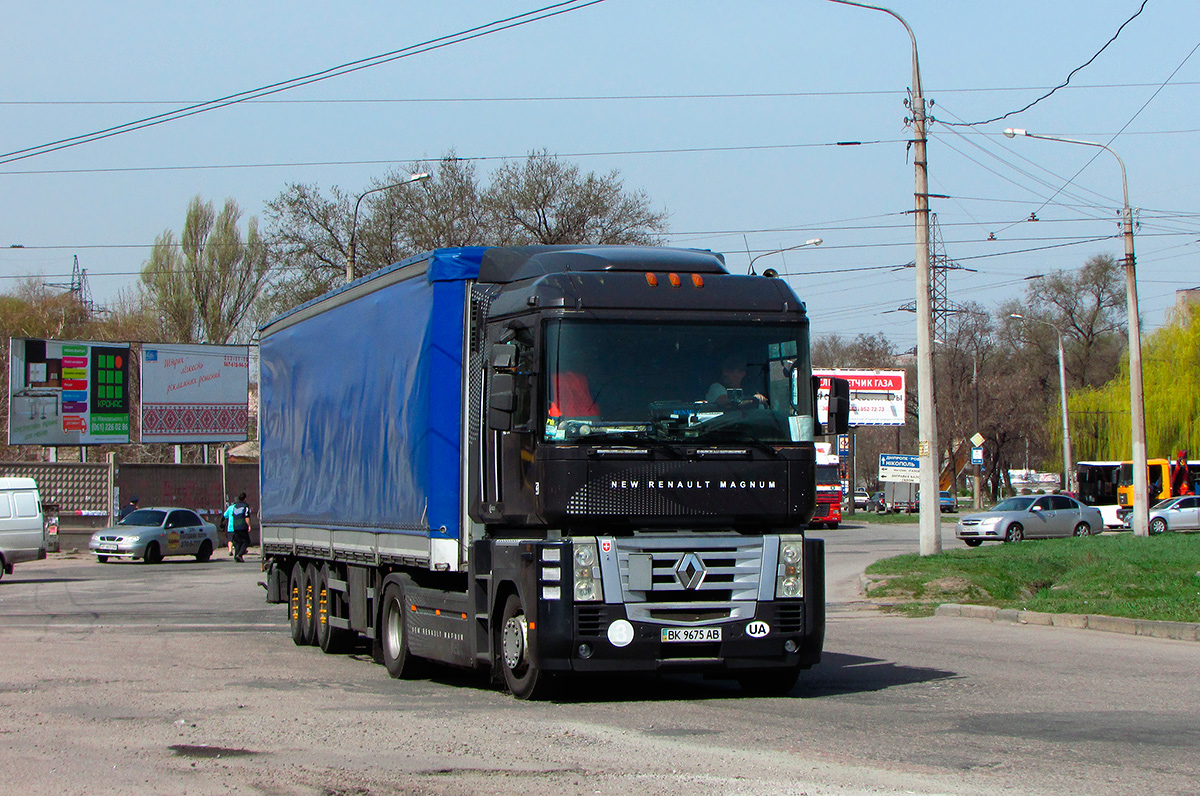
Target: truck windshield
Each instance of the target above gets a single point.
(606, 382)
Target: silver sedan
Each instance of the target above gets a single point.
(1030, 517)
(149, 534)
(1176, 514)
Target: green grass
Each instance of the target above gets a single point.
(1156, 577)
(892, 519)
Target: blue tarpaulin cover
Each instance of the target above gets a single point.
(361, 406)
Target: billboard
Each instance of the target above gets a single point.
(194, 393)
(67, 392)
(876, 396)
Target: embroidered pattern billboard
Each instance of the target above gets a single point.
(194, 393)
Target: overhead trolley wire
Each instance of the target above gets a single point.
(537, 15)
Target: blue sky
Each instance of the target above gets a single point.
(726, 114)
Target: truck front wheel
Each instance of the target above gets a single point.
(522, 674)
(394, 634)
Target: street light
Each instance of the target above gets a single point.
(927, 447)
(1062, 397)
(810, 242)
(350, 261)
(1137, 405)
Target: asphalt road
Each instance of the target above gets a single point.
(126, 678)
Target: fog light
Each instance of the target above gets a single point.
(585, 651)
(790, 645)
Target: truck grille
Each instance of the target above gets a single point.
(697, 581)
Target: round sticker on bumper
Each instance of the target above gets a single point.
(757, 629)
(620, 633)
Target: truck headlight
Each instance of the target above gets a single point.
(789, 575)
(587, 586)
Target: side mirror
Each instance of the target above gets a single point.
(839, 406)
(502, 402)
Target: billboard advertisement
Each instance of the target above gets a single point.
(194, 393)
(876, 396)
(67, 392)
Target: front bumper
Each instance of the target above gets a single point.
(777, 637)
(130, 550)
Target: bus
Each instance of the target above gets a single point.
(1098, 483)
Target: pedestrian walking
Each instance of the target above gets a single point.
(239, 523)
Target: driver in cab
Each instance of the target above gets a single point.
(727, 392)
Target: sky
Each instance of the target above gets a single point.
(727, 115)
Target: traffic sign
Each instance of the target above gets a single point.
(899, 467)
(976, 455)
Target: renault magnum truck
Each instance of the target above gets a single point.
(528, 461)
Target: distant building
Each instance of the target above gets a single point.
(1186, 301)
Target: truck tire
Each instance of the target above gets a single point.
(393, 634)
(308, 617)
(522, 674)
(330, 639)
(296, 603)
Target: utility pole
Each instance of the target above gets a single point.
(927, 447)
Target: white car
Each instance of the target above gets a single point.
(151, 533)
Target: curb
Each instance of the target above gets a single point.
(1176, 631)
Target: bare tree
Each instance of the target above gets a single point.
(544, 200)
(539, 200)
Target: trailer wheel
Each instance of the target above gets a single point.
(393, 634)
(308, 617)
(769, 682)
(296, 603)
(522, 674)
(330, 639)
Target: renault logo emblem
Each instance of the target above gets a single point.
(690, 571)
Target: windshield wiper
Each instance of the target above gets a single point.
(630, 437)
(741, 437)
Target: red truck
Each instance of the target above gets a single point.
(829, 491)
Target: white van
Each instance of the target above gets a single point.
(22, 530)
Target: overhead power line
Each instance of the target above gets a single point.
(1079, 68)
(581, 97)
(479, 31)
(474, 158)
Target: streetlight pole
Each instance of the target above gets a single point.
(350, 259)
(1137, 404)
(1067, 482)
(927, 447)
(810, 242)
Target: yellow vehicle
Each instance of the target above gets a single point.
(1160, 475)
(1158, 481)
